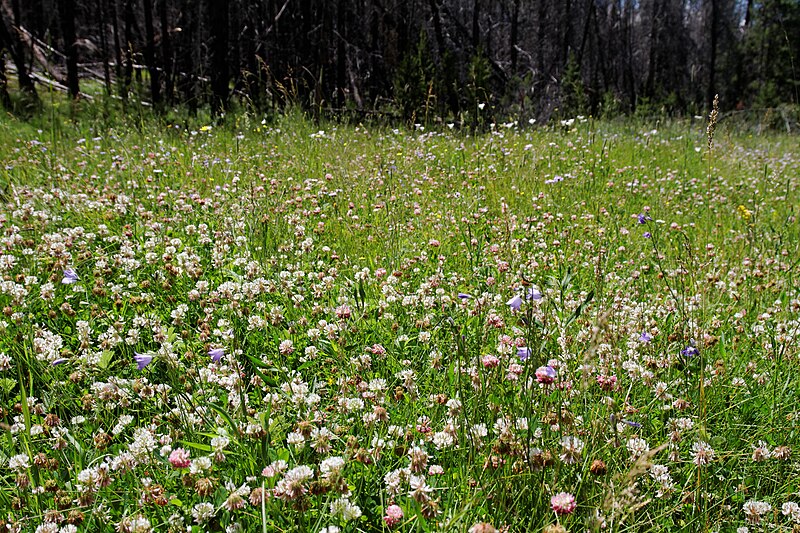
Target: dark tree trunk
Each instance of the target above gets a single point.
(587, 25)
(218, 24)
(11, 42)
(748, 14)
(166, 51)
(741, 78)
(341, 53)
(476, 15)
(36, 19)
(16, 12)
(150, 55)
(101, 25)
(512, 44)
(187, 81)
(628, 71)
(541, 37)
(128, 75)
(566, 32)
(437, 26)
(712, 62)
(66, 11)
(5, 99)
(649, 86)
(117, 49)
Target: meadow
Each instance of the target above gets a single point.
(278, 325)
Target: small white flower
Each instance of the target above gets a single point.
(202, 512)
(19, 462)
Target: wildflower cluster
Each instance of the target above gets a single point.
(366, 329)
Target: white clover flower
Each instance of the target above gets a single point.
(573, 447)
(331, 465)
(754, 510)
(19, 462)
(202, 512)
(442, 440)
(637, 447)
(702, 453)
(792, 510)
(296, 440)
(344, 508)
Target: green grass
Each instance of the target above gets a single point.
(327, 260)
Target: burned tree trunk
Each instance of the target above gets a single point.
(220, 76)
(66, 11)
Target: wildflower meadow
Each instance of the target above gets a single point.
(288, 326)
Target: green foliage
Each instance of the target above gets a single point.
(415, 81)
(364, 281)
(478, 96)
(573, 93)
(772, 48)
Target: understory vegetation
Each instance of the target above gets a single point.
(281, 325)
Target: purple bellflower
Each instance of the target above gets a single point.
(70, 276)
(216, 354)
(142, 359)
(515, 303)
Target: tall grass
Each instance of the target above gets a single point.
(291, 326)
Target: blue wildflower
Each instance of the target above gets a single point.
(142, 359)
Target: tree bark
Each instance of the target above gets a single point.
(541, 37)
(66, 11)
(166, 51)
(117, 48)
(341, 53)
(5, 98)
(218, 24)
(150, 54)
(11, 42)
(712, 60)
(437, 26)
(512, 40)
(101, 28)
(476, 15)
(653, 49)
(128, 74)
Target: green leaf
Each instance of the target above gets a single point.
(7, 385)
(105, 359)
(224, 414)
(580, 308)
(197, 446)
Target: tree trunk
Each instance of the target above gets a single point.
(166, 51)
(627, 66)
(150, 55)
(476, 15)
(653, 49)
(128, 75)
(712, 62)
(16, 13)
(341, 53)
(101, 28)
(218, 24)
(541, 37)
(437, 27)
(186, 54)
(567, 32)
(5, 99)
(117, 49)
(66, 11)
(37, 26)
(586, 27)
(512, 41)
(10, 41)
